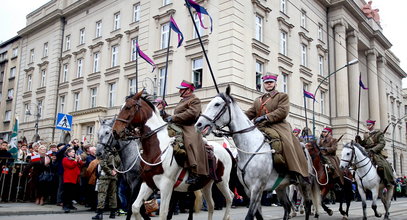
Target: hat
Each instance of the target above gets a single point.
(186, 85)
(329, 130)
(296, 130)
(269, 78)
(370, 122)
(160, 101)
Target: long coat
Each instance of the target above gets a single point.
(276, 106)
(331, 145)
(186, 113)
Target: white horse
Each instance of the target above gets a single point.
(366, 177)
(255, 160)
(159, 169)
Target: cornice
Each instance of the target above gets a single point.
(303, 35)
(261, 6)
(29, 69)
(68, 56)
(128, 32)
(98, 44)
(260, 46)
(40, 65)
(371, 51)
(282, 21)
(89, 110)
(321, 48)
(168, 13)
(340, 21)
(76, 53)
(44, 21)
(117, 36)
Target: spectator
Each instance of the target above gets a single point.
(71, 164)
(88, 156)
(23, 152)
(60, 171)
(91, 174)
(75, 145)
(4, 150)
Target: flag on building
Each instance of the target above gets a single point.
(199, 11)
(309, 95)
(361, 83)
(174, 27)
(144, 56)
(13, 142)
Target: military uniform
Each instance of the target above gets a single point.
(374, 143)
(275, 106)
(328, 146)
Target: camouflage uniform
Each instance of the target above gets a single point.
(107, 184)
(374, 143)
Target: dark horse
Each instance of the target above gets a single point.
(343, 192)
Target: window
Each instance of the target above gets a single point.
(31, 55)
(112, 93)
(82, 36)
(79, 70)
(96, 62)
(98, 32)
(162, 79)
(321, 65)
(76, 101)
(93, 94)
(259, 73)
(198, 25)
(89, 130)
(392, 107)
(10, 94)
(26, 109)
(115, 53)
(259, 28)
(15, 52)
(45, 50)
(398, 110)
(62, 103)
(166, 2)
(285, 83)
(39, 103)
(283, 6)
(320, 32)
(65, 73)
(13, 71)
(29, 82)
(136, 12)
(283, 43)
(165, 31)
(7, 116)
(303, 55)
(132, 86)
(116, 22)
(197, 70)
(67, 42)
(43, 81)
(303, 19)
(322, 102)
(133, 56)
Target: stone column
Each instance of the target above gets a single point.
(381, 72)
(341, 77)
(354, 72)
(374, 111)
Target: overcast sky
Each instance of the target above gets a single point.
(14, 12)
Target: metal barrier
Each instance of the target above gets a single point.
(13, 187)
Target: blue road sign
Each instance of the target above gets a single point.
(64, 122)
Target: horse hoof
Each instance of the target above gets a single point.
(378, 215)
(302, 212)
(316, 216)
(330, 212)
(344, 218)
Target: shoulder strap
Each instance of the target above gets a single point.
(262, 106)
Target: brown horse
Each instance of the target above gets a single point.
(159, 169)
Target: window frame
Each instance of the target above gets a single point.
(194, 69)
(116, 21)
(259, 66)
(68, 42)
(115, 55)
(45, 50)
(136, 12)
(304, 55)
(93, 97)
(43, 78)
(164, 35)
(96, 63)
(259, 23)
(79, 69)
(111, 94)
(283, 43)
(98, 29)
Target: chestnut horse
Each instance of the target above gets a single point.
(159, 169)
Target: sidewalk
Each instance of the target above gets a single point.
(7, 209)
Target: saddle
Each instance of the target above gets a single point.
(274, 141)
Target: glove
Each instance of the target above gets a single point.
(168, 119)
(162, 112)
(260, 119)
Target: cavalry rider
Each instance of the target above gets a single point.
(328, 146)
(373, 141)
(269, 112)
(296, 133)
(306, 135)
(186, 113)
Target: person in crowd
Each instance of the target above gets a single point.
(23, 152)
(60, 154)
(4, 150)
(88, 156)
(75, 145)
(71, 164)
(91, 173)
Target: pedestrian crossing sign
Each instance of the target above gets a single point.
(64, 122)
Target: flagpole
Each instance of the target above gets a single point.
(166, 61)
(203, 48)
(306, 118)
(137, 70)
(360, 77)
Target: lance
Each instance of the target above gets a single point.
(166, 62)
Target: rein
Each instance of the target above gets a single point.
(354, 157)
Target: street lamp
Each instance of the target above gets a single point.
(394, 152)
(38, 115)
(154, 82)
(316, 90)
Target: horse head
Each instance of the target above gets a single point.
(106, 141)
(217, 113)
(347, 155)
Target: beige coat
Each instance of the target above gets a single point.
(277, 106)
(186, 113)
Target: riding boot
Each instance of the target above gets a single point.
(380, 172)
(192, 178)
(112, 213)
(99, 214)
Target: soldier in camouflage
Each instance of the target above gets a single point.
(107, 184)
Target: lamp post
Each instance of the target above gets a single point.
(316, 90)
(154, 82)
(37, 117)
(392, 134)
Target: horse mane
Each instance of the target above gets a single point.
(225, 97)
(361, 149)
(148, 102)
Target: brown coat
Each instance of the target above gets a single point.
(276, 107)
(331, 145)
(91, 171)
(186, 113)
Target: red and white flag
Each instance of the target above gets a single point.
(35, 158)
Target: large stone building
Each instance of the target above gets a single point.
(77, 58)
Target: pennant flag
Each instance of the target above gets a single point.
(144, 56)
(13, 143)
(361, 83)
(309, 95)
(199, 11)
(174, 27)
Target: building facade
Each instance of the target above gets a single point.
(78, 57)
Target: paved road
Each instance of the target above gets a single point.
(399, 212)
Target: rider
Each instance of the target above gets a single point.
(328, 146)
(269, 112)
(296, 133)
(186, 113)
(374, 142)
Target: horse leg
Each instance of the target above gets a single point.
(324, 193)
(258, 214)
(255, 199)
(306, 191)
(207, 194)
(166, 192)
(191, 206)
(375, 193)
(173, 204)
(363, 198)
(386, 200)
(143, 195)
(316, 197)
(281, 194)
(224, 189)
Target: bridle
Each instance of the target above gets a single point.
(353, 158)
